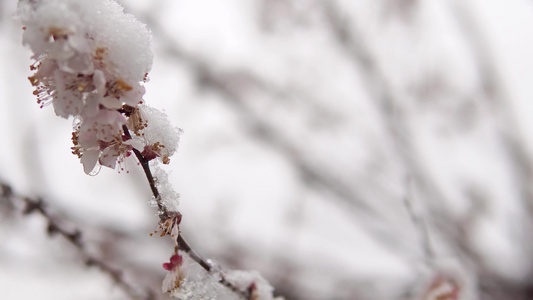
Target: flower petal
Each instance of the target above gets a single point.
(89, 159)
(109, 158)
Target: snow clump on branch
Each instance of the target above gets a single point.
(186, 280)
(91, 61)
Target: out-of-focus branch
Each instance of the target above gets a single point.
(495, 91)
(73, 236)
(379, 88)
(420, 223)
(382, 91)
(354, 45)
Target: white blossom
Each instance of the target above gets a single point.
(91, 60)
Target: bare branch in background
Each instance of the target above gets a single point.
(388, 103)
(75, 237)
(365, 118)
(420, 222)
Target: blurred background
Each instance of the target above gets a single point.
(364, 149)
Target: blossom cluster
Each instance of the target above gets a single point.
(91, 63)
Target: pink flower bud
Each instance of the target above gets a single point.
(168, 266)
(148, 153)
(176, 260)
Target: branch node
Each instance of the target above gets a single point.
(52, 228)
(5, 190)
(33, 205)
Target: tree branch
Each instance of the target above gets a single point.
(165, 215)
(74, 237)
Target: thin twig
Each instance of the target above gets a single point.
(151, 181)
(184, 246)
(164, 215)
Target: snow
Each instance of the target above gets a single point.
(298, 173)
(126, 40)
(159, 130)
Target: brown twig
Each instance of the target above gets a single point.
(184, 246)
(151, 181)
(164, 215)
